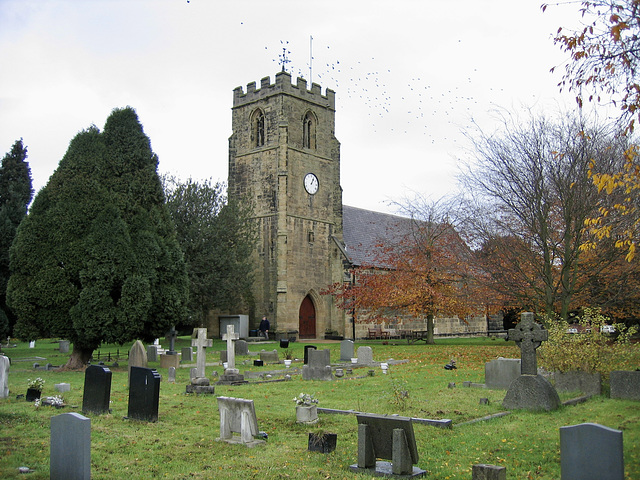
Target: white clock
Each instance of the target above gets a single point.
(311, 183)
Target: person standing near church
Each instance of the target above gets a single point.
(264, 328)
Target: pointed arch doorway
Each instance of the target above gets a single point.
(307, 318)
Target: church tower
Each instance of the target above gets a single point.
(284, 157)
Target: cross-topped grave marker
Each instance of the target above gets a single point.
(528, 335)
(201, 342)
(231, 337)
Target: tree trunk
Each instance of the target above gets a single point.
(430, 340)
(79, 358)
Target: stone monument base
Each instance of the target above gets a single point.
(531, 392)
(231, 376)
(385, 469)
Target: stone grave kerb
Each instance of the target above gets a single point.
(201, 342)
(528, 336)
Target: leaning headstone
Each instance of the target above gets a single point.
(137, 356)
(530, 391)
(63, 346)
(4, 376)
(201, 342)
(152, 353)
(269, 356)
(584, 382)
(306, 353)
(499, 373)
(319, 366)
(346, 350)
(482, 471)
(625, 384)
(365, 355)
(97, 390)
(187, 354)
(589, 451)
(388, 438)
(238, 415)
(144, 394)
(70, 450)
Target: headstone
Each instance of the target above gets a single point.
(346, 350)
(4, 376)
(171, 336)
(499, 373)
(269, 356)
(625, 385)
(62, 387)
(32, 344)
(387, 438)
(168, 361)
(231, 374)
(584, 382)
(201, 342)
(589, 451)
(144, 394)
(319, 367)
(152, 353)
(137, 356)
(70, 450)
(365, 355)
(187, 354)
(482, 471)
(97, 390)
(238, 415)
(171, 375)
(242, 347)
(306, 352)
(193, 373)
(530, 391)
(63, 346)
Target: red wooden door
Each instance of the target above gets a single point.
(307, 318)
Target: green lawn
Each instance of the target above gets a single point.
(182, 444)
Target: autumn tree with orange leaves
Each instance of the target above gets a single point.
(422, 271)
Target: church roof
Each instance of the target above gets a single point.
(364, 229)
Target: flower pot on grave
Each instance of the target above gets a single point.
(33, 394)
(322, 442)
(287, 363)
(306, 414)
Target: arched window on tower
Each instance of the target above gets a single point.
(257, 128)
(309, 131)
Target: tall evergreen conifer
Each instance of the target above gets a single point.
(16, 192)
(97, 260)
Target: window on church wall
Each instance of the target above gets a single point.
(258, 129)
(309, 131)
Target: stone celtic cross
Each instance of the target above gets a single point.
(231, 337)
(528, 335)
(201, 342)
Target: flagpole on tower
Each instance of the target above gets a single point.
(310, 59)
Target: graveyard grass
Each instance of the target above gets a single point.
(182, 444)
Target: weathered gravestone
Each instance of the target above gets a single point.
(201, 342)
(187, 354)
(346, 350)
(365, 355)
(144, 394)
(242, 347)
(152, 353)
(269, 356)
(238, 415)
(625, 384)
(319, 366)
(137, 356)
(4, 376)
(499, 373)
(530, 391)
(388, 438)
(483, 471)
(169, 360)
(587, 383)
(63, 346)
(70, 450)
(172, 375)
(589, 451)
(231, 374)
(62, 387)
(306, 352)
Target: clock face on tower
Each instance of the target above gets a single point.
(311, 183)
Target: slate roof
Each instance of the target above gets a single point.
(364, 229)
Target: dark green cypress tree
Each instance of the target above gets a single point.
(16, 192)
(97, 259)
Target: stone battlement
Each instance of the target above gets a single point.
(283, 85)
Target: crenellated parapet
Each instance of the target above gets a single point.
(283, 85)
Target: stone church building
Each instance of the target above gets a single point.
(285, 158)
